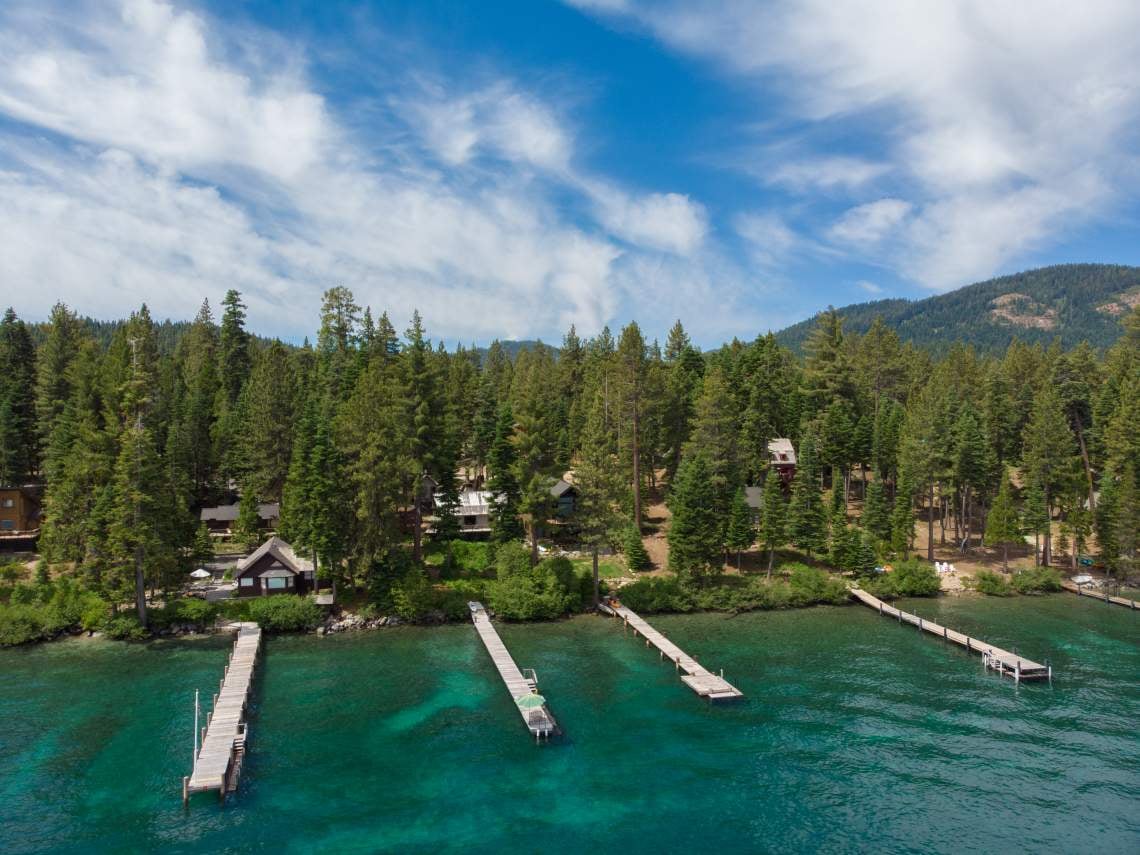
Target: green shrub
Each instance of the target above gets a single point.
(914, 578)
(236, 609)
(22, 622)
(548, 590)
(187, 610)
(811, 585)
(125, 628)
(991, 584)
(657, 594)
(511, 558)
(1033, 580)
(413, 596)
(284, 613)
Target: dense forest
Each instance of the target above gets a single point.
(129, 438)
(1069, 302)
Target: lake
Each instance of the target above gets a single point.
(856, 734)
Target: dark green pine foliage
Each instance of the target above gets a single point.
(506, 525)
(233, 347)
(1003, 526)
(694, 536)
(807, 519)
(54, 382)
(773, 518)
(599, 483)
(739, 533)
(199, 379)
(876, 519)
(247, 528)
(636, 558)
(1035, 517)
(18, 434)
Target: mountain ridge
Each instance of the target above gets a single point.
(1073, 302)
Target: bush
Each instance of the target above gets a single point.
(511, 558)
(21, 623)
(236, 609)
(1034, 580)
(125, 628)
(811, 585)
(913, 578)
(470, 557)
(657, 594)
(188, 610)
(413, 596)
(548, 590)
(992, 584)
(284, 613)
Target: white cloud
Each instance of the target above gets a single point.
(1019, 116)
(869, 224)
(186, 167)
(826, 173)
(769, 239)
(869, 287)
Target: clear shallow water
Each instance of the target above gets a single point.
(856, 735)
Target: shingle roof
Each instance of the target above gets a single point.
(280, 550)
(229, 513)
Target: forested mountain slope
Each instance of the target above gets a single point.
(1075, 302)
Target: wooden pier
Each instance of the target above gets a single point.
(523, 688)
(1127, 602)
(696, 677)
(217, 763)
(999, 660)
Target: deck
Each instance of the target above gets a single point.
(696, 676)
(538, 720)
(1127, 602)
(217, 764)
(1000, 660)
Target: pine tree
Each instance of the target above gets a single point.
(233, 347)
(695, 531)
(1036, 518)
(599, 484)
(1126, 527)
(506, 526)
(739, 533)
(1050, 451)
(1002, 524)
(715, 433)
(247, 527)
(636, 558)
(807, 519)
(631, 364)
(54, 359)
(773, 518)
(19, 456)
(876, 517)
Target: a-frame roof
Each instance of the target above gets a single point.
(280, 550)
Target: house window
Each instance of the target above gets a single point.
(8, 525)
(469, 520)
(276, 584)
(8, 503)
(245, 582)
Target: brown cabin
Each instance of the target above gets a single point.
(19, 512)
(274, 568)
(782, 458)
(220, 520)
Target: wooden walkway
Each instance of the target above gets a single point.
(1000, 660)
(697, 677)
(217, 764)
(1127, 602)
(537, 719)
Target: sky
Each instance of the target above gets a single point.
(512, 168)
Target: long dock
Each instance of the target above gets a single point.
(535, 715)
(697, 677)
(217, 763)
(1127, 602)
(999, 660)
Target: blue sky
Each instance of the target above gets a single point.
(512, 168)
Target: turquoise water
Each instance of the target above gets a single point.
(856, 735)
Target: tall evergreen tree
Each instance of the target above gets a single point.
(19, 457)
(695, 531)
(773, 518)
(506, 526)
(599, 484)
(739, 533)
(807, 519)
(1002, 524)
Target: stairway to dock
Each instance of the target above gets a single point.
(1073, 587)
(1002, 661)
(537, 718)
(696, 677)
(217, 763)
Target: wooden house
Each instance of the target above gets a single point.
(565, 496)
(20, 512)
(274, 568)
(782, 459)
(220, 520)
